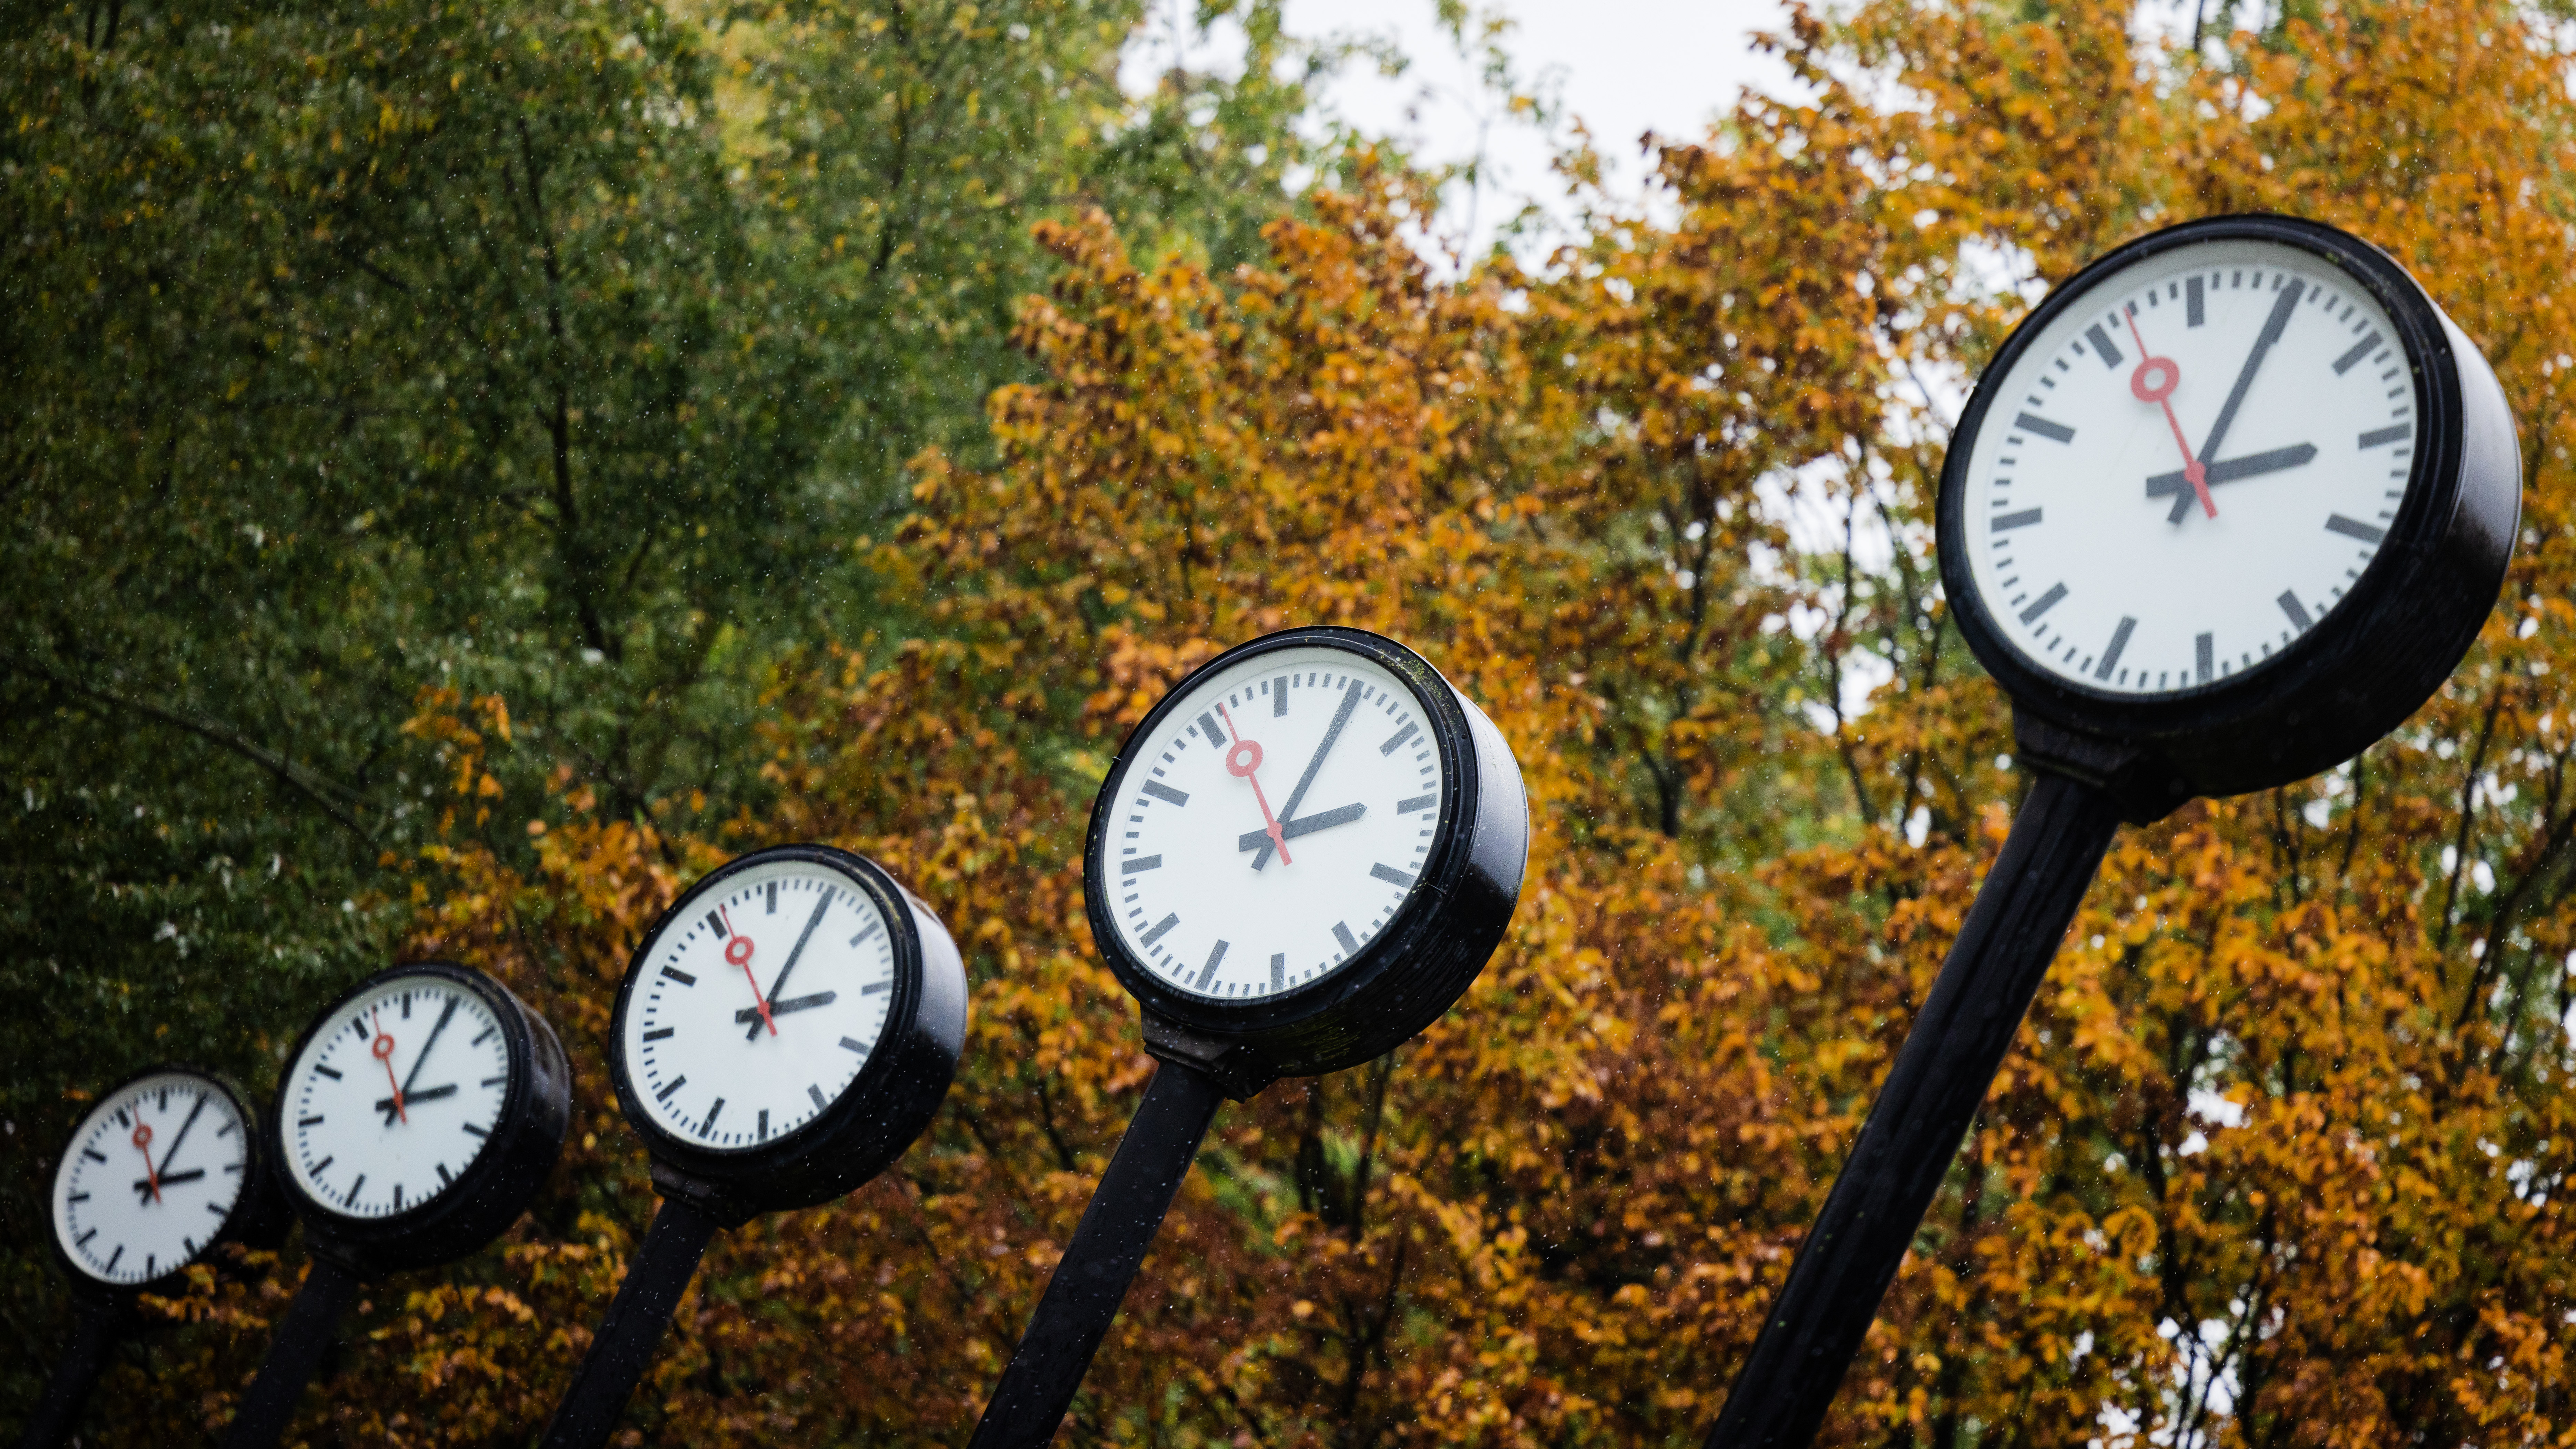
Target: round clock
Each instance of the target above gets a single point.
(784, 1032)
(2237, 495)
(1305, 853)
(420, 1113)
(168, 1164)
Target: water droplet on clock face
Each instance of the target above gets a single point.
(1272, 824)
(395, 1096)
(2246, 377)
(758, 1005)
(151, 1177)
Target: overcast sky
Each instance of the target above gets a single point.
(1623, 67)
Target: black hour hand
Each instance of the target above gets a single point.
(410, 1099)
(793, 1003)
(2252, 465)
(143, 1185)
(1307, 825)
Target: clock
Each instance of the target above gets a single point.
(1301, 857)
(1304, 854)
(2233, 499)
(2229, 505)
(420, 1114)
(786, 1029)
(168, 1164)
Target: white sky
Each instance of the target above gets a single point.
(1623, 67)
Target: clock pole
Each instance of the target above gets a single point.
(1090, 1281)
(660, 1273)
(1941, 1075)
(98, 1319)
(329, 1287)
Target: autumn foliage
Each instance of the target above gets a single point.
(2283, 1154)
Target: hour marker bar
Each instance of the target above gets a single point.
(1278, 970)
(93, 1154)
(79, 1197)
(1161, 791)
(1390, 875)
(1161, 927)
(676, 974)
(327, 1072)
(444, 1176)
(2043, 603)
(316, 1169)
(306, 1122)
(496, 1081)
(773, 898)
(2102, 344)
(1418, 802)
(2350, 528)
(816, 1093)
(2054, 432)
(860, 1047)
(2006, 522)
(866, 931)
(1398, 738)
(710, 1124)
(664, 1095)
(486, 1036)
(2191, 302)
(660, 1033)
(2360, 350)
(83, 1240)
(1207, 973)
(2397, 434)
(2204, 658)
(1216, 737)
(2119, 641)
(398, 1197)
(1350, 943)
(2298, 612)
(1278, 697)
(764, 1124)
(1142, 862)
(873, 990)
(472, 1130)
(112, 1257)
(715, 923)
(353, 1188)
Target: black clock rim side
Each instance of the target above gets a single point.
(497, 1186)
(1414, 969)
(883, 1111)
(2373, 659)
(260, 1216)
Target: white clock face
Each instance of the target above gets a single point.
(395, 1096)
(758, 1005)
(152, 1174)
(1272, 824)
(2189, 468)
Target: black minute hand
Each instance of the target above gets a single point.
(2273, 326)
(1306, 781)
(416, 1062)
(780, 980)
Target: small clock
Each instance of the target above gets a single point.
(1304, 854)
(419, 1116)
(167, 1165)
(784, 1032)
(2232, 500)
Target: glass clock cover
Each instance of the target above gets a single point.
(2189, 467)
(151, 1177)
(394, 1096)
(757, 1008)
(1272, 824)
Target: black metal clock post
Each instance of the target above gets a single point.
(1427, 949)
(716, 1173)
(2101, 755)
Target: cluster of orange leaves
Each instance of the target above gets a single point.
(2281, 1156)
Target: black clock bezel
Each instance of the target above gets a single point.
(1410, 972)
(260, 1215)
(494, 1189)
(2370, 661)
(885, 1108)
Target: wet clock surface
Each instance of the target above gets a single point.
(1273, 824)
(394, 1096)
(757, 1010)
(151, 1177)
(2190, 467)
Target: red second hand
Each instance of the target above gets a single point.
(1249, 754)
(143, 1144)
(744, 961)
(2161, 394)
(383, 1050)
